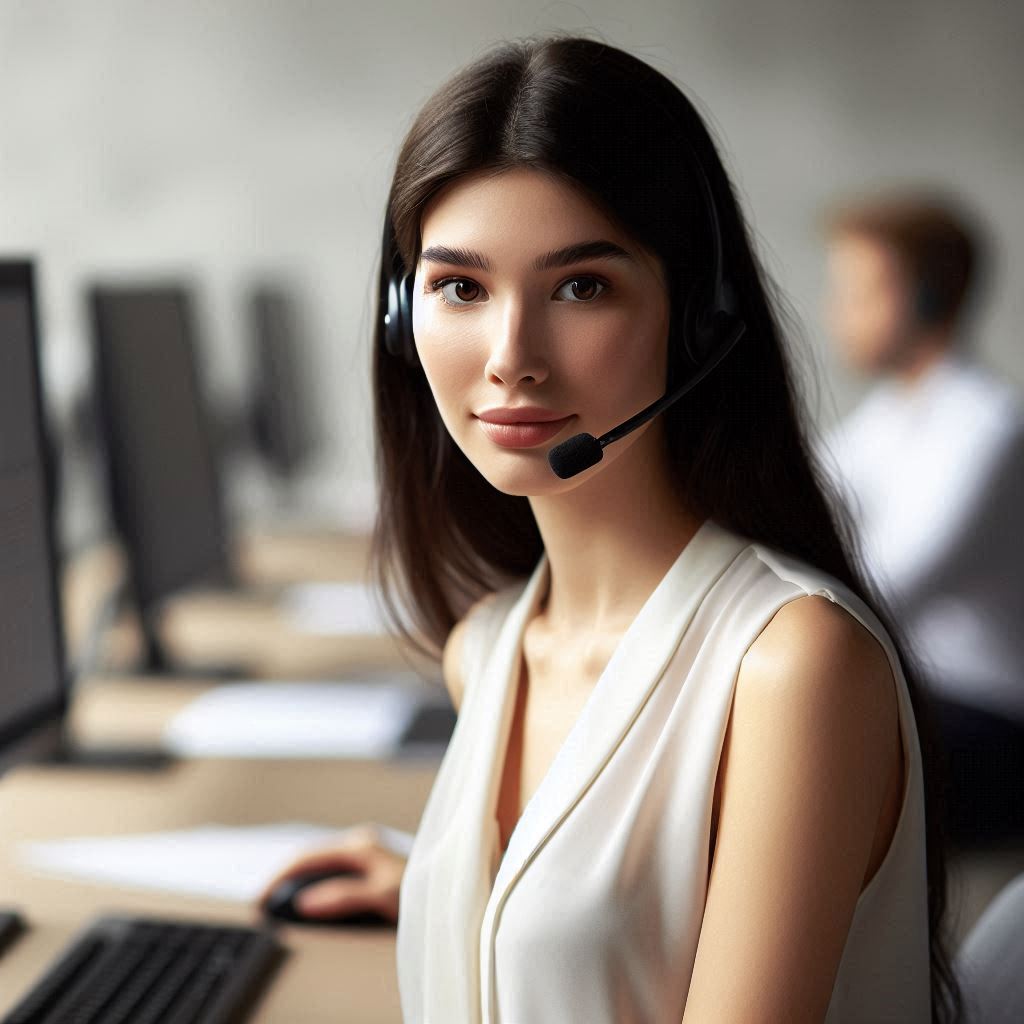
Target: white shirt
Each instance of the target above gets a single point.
(594, 912)
(933, 474)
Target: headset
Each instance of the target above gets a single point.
(398, 338)
(930, 305)
(711, 327)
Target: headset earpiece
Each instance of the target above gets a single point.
(928, 305)
(698, 330)
(398, 336)
(709, 320)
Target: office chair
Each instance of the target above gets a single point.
(990, 961)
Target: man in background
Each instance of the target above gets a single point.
(931, 467)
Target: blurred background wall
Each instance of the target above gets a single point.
(238, 138)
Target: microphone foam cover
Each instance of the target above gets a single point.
(578, 453)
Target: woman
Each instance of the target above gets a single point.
(687, 782)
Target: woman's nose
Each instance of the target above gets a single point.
(517, 347)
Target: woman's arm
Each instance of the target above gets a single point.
(809, 748)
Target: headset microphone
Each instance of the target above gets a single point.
(582, 451)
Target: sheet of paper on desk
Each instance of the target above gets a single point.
(217, 862)
(268, 719)
(333, 609)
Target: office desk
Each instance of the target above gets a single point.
(133, 711)
(262, 558)
(329, 977)
(128, 711)
(275, 556)
(244, 629)
(253, 634)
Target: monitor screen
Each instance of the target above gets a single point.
(162, 475)
(282, 420)
(32, 677)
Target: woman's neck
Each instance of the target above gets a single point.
(610, 541)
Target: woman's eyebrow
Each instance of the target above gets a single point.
(599, 249)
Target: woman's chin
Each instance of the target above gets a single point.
(533, 477)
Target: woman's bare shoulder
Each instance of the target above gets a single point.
(451, 663)
(814, 631)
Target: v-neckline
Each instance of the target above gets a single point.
(535, 591)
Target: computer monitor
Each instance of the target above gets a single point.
(162, 473)
(33, 678)
(282, 421)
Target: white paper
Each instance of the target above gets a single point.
(285, 720)
(213, 861)
(333, 609)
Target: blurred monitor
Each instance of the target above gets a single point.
(162, 472)
(33, 683)
(282, 423)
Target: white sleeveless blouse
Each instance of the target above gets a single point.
(594, 912)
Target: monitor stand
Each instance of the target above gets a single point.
(117, 759)
(155, 662)
(12, 924)
(50, 743)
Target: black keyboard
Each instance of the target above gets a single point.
(138, 970)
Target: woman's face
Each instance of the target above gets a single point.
(506, 314)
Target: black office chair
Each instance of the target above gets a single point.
(990, 961)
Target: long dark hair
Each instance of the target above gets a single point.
(626, 137)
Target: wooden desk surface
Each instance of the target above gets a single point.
(252, 632)
(129, 711)
(245, 629)
(134, 711)
(279, 556)
(329, 976)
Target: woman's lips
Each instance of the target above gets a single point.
(522, 435)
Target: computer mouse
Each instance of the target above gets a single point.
(280, 904)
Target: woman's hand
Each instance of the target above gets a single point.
(374, 887)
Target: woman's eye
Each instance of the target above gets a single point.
(461, 291)
(581, 289)
(457, 291)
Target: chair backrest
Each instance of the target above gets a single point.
(990, 961)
